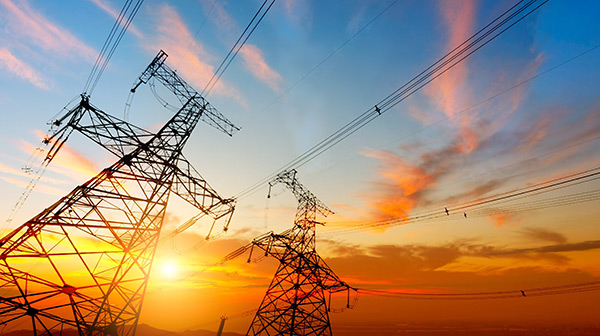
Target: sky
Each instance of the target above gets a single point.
(522, 110)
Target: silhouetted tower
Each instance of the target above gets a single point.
(84, 262)
(296, 302)
(221, 325)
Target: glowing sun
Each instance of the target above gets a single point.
(169, 269)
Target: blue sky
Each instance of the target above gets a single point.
(410, 159)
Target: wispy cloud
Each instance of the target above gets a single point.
(255, 63)
(68, 161)
(21, 69)
(19, 172)
(420, 259)
(25, 23)
(253, 56)
(400, 188)
(105, 6)
(542, 234)
(403, 183)
(45, 189)
(190, 57)
(219, 15)
(299, 12)
(450, 91)
(573, 247)
(473, 136)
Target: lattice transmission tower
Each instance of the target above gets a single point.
(296, 302)
(84, 262)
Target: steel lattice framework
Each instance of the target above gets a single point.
(296, 302)
(84, 262)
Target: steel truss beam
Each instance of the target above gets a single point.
(296, 302)
(84, 261)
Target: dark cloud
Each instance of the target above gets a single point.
(424, 257)
(476, 192)
(583, 246)
(542, 234)
(397, 262)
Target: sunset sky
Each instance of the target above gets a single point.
(522, 110)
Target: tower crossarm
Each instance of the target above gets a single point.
(121, 137)
(61, 128)
(184, 92)
(107, 229)
(193, 188)
(116, 135)
(329, 280)
(288, 245)
(308, 204)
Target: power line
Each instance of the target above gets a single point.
(481, 38)
(506, 294)
(236, 48)
(487, 99)
(113, 39)
(551, 185)
(108, 48)
(324, 60)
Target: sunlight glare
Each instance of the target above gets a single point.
(169, 269)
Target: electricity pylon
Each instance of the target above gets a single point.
(296, 302)
(84, 262)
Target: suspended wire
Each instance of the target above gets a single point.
(529, 160)
(111, 43)
(110, 36)
(108, 48)
(161, 100)
(444, 64)
(477, 213)
(118, 40)
(35, 166)
(462, 208)
(130, 96)
(233, 51)
(486, 100)
(507, 294)
(324, 60)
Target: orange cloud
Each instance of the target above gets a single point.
(538, 133)
(68, 160)
(19, 172)
(21, 69)
(254, 60)
(399, 192)
(255, 63)
(40, 188)
(37, 29)
(189, 56)
(499, 219)
(108, 9)
(449, 90)
(74, 161)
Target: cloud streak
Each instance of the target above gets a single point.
(256, 64)
(542, 234)
(67, 161)
(449, 90)
(21, 69)
(253, 56)
(192, 60)
(35, 28)
(112, 12)
(401, 186)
